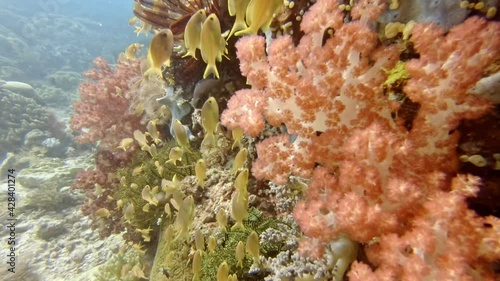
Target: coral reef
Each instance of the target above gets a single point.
(21, 115)
(356, 132)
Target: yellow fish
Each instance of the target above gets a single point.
(125, 143)
(132, 20)
(241, 182)
(237, 8)
(210, 118)
(212, 243)
(192, 33)
(240, 254)
(174, 155)
(239, 160)
(201, 172)
(199, 240)
(237, 136)
(128, 212)
(102, 213)
(213, 45)
(197, 265)
(143, 28)
(181, 136)
(259, 15)
(239, 211)
(223, 272)
(131, 51)
(253, 247)
(153, 132)
(184, 218)
(160, 49)
(221, 218)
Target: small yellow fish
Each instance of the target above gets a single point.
(153, 132)
(239, 160)
(119, 204)
(141, 139)
(137, 170)
(181, 136)
(174, 155)
(196, 265)
(131, 51)
(221, 218)
(137, 272)
(252, 246)
(145, 234)
(132, 20)
(213, 45)
(184, 218)
(199, 240)
(223, 272)
(237, 8)
(237, 136)
(241, 182)
(259, 15)
(192, 33)
(125, 270)
(148, 195)
(239, 211)
(143, 28)
(232, 277)
(201, 172)
(212, 243)
(125, 143)
(159, 168)
(240, 253)
(169, 234)
(160, 49)
(152, 150)
(98, 190)
(128, 212)
(210, 118)
(118, 91)
(102, 213)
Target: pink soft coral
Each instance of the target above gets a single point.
(319, 91)
(103, 112)
(379, 183)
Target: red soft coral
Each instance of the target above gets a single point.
(103, 112)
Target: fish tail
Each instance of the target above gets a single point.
(190, 53)
(238, 225)
(152, 71)
(209, 138)
(238, 25)
(211, 69)
(247, 31)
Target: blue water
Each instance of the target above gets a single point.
(48, 35)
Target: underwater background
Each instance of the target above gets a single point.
(250, 140)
